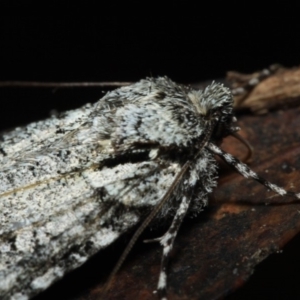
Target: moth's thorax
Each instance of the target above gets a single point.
(213, 98)
(174, 115)
(215, 104)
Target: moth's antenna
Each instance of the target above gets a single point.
(36, 84)
(210, 126)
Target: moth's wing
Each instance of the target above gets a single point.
(37, 135)
(53, 225)
(59, 197)
(59, 128)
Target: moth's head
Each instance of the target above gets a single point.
(215, 104)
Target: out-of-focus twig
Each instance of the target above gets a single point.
(280, 89)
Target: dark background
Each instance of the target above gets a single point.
(129, 41)
(62, 41)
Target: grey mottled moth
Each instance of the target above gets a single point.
(72, 184)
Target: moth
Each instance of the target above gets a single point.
(72, 184)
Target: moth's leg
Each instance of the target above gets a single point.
(167, 241)
(245, 171)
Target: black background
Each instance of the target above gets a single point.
(129, 41)
(64, 41)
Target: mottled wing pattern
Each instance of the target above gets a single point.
(54, 217)
(71, 185)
